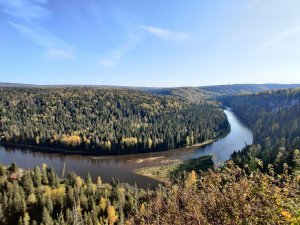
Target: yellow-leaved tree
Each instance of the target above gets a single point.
(191, 179)
(111, 214)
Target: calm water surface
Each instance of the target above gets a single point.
(121, 167)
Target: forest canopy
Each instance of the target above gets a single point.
(105, 120)
(249, 190)
(274, 119)
(228, 195)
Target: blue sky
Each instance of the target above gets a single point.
(149, 42)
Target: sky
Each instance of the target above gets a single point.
(163, 43)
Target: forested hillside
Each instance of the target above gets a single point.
(227, 196)
(198, 94)
(105, 120)
(192, 94)
(122, 120)
(232, 89)
(274, 117)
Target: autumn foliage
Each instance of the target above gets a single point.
(229, 195)
(105, 120)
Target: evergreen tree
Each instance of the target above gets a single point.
(46, 217)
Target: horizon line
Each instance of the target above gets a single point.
(134, 86)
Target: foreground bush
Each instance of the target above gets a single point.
(229, 195)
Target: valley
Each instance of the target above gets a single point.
(135, 152)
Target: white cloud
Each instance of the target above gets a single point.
(165, 33)
(38, 35)
(25, 16)
(281, 36)
(55, 47)
(114, 56)
(25, 9)
(60, 54)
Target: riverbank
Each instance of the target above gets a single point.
(120, 167)
(160, 173)
(95, 155)
(174, 168)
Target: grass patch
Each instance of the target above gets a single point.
(176, 168)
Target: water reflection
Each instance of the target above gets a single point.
(120, 167)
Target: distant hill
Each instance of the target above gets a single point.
(245, 88)
(197, 94)
(16, 85)
(192, 94)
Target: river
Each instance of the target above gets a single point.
(121, 167)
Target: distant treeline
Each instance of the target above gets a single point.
(105, 120)
(274, 117)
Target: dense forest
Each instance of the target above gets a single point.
(274, 119)
(229, 195)
(261, 185)
(105, 120)
(197, 94)
(234, 89)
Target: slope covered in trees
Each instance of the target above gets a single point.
(275, 121)
(198, 94)
(233, 194)
(233, 89)
(105, 120)
(192, 94)
(229, 195)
